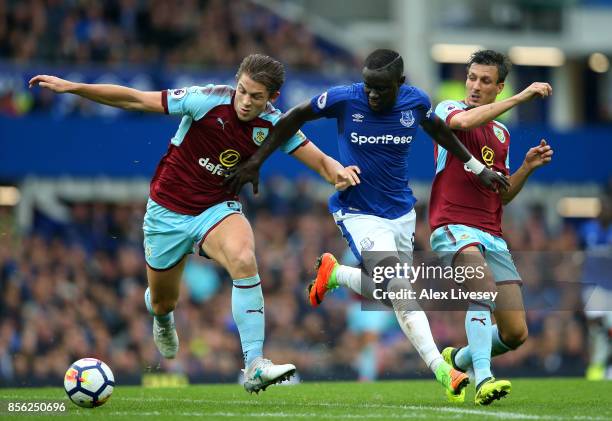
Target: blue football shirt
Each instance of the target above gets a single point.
(378, 143)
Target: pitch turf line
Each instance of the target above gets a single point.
(443, 409)
(286, 415)
(421, 409)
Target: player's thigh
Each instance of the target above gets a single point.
(404, 228)
(164, 285)
(167, 241)
(449, 241)
(510, 314)
(231, 243)
(461, 246)
(166, 237)
(369, 238)
(500, 260)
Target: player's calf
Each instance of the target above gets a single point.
(164, 329)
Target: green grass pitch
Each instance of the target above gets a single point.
(550, 399)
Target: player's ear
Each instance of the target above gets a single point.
(274, 96)
(500, 87)
(402, 79)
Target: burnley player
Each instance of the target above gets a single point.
(189, 211)
(466, 219)
(377, 121)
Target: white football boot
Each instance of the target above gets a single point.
(166, 338)
(261, 373)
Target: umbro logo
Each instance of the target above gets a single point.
(358, 118)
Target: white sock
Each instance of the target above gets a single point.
(349, 276)
(415, 326)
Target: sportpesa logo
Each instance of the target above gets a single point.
(228, 159)
(385, 139)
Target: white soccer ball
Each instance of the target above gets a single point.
(89, 382)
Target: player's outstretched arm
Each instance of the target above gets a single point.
(331, 170)
(113, 95)
(444, 136)
(478, 116)
(287, 126)
(535, 158)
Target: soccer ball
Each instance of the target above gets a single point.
(89, 382)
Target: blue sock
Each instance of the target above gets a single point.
(367, 363)
(463, 357)
(478, 329)
(161, 318)
(248, 312)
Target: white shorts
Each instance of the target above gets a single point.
(373, 233)
(597, 302)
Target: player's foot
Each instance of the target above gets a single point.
(454, 381)
(449, 356)
(595, 372)
(165, 337)
(326, 279)
(490, 390)
(261, 373)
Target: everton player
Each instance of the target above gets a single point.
(189, 211)
(377, 121)
(466, 219)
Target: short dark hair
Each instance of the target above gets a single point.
(383, 59)
(492, 58)
(263, 69)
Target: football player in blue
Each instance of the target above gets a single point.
(377, 122)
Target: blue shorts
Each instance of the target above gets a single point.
(168, 236)
(449, 240)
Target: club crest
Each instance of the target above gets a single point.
(260, 134)
(407, 119)
(499, 133)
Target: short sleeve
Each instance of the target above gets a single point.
(195, 101)
(447, 109)
(423, 105)
(273, 115)
(330, 103)
(297, 140)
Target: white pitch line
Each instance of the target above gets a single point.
(447, 410)
(289, 415)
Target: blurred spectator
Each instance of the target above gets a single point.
(76, 290)
(155, 32)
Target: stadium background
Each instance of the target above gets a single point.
(74, 176)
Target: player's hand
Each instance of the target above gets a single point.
(539, 155)
(536, 89)
(347, 177)
(247, 172)
(493, 180)
(53, 83)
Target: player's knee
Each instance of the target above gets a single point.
(242, 263)
(163, 306)
(515, 336)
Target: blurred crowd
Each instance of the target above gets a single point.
(71, 290)
(200, 33)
